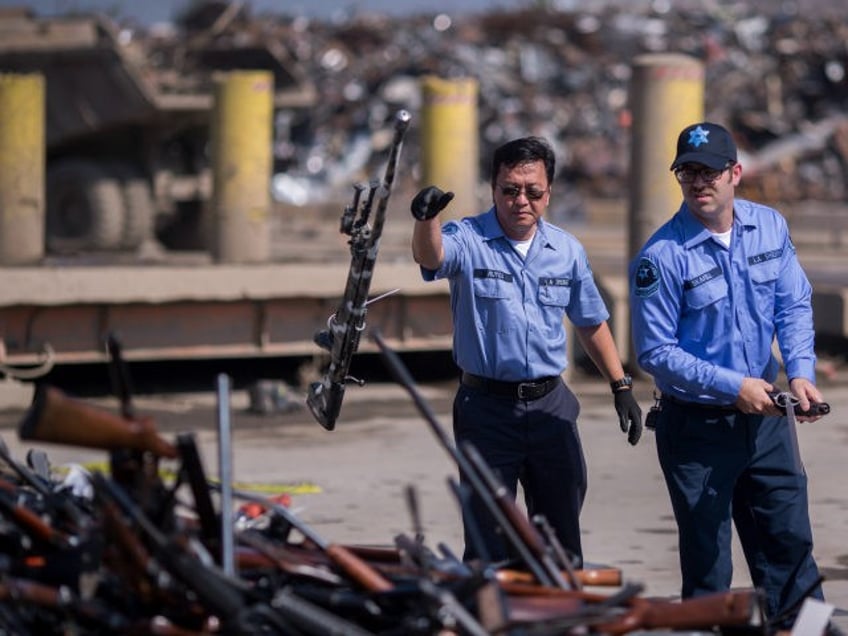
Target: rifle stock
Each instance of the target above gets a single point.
(723, 609)
(56, 418)
(597, 577)
(735, 608)
(345, 327)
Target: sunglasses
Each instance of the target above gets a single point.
(512, 192)
(687, 174)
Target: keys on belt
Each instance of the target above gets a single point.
(527, 390)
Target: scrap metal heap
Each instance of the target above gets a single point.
(774, 74)
(132, 553)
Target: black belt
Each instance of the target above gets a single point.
(528, 390)
(715, 408)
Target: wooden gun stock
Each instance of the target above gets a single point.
(723, 609)
(56, 418)
(599, 577)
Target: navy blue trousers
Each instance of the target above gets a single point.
(728, 468)
(534, 442)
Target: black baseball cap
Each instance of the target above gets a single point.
(705, 143)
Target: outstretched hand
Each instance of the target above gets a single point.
(429, 202)
(629, 415)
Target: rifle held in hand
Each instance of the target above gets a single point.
(344, 328)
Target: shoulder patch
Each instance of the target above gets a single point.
(647, 278)
(450, 227)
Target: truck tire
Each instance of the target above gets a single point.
(85, 208)
(140, 210)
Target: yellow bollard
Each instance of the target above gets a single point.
(241, 138)
(667, 94)
(450, 143)
(22, 166)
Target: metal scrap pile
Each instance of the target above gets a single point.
(775, 75)
(132, 553)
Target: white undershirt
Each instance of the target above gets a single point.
(522, 247)
(724, 237)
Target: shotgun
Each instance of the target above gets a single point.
(344, 328)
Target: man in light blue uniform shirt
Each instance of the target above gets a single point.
(710, 291)
(513, 279)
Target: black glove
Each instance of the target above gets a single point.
(629, 415)
(429, 202)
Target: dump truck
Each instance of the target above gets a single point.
(127, 121)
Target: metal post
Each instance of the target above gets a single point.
(22, 165)
(241, 141)
(225, 474)
(450, 143)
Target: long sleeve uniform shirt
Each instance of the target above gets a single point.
(508, 311)
(705, 316)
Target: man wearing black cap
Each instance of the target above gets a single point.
(710, 291)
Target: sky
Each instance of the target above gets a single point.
(152, 11)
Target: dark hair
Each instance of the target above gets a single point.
(524, 150)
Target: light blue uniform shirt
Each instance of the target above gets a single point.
(507, 311)
(704, 316)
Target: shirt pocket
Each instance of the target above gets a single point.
(555, 295)
(552, 302)
(706, 294)
(492, 298)
(764, 280)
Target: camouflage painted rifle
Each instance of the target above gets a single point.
(341, 338)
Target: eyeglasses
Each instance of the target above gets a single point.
(512, 192)
(687, 174)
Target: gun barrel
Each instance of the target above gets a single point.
(56, 418)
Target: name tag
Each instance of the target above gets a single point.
(765, 256)
(706, 277)
(554, 282)
(493, 274)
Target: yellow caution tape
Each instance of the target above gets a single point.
(298, 488)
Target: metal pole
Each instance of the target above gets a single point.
(225, 474)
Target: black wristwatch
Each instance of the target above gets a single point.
(624, 383)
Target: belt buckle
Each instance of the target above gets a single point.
(528, 386)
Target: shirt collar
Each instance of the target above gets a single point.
(694, 231)
(491, 229)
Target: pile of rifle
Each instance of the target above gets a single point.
(134, 553)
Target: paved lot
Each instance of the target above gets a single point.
(349, 484)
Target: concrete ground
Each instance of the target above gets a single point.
(349, 484)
